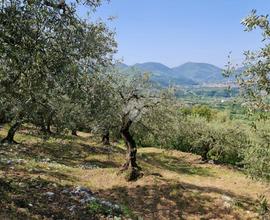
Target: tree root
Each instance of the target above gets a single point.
(6, 141)
(131, 173)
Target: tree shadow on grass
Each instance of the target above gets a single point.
(64, 153)
(59, 175)
(174, 164)
(69, 154)
(94, 163)
(26, 197)
(38, 170)
(102, 149)
(63, 149)
(178, 201)
(37, 133)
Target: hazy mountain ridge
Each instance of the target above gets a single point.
(190, 73)
(200, 72)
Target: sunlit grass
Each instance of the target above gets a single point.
(172, 180)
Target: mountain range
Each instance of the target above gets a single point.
(187, 74)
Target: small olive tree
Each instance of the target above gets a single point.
(135, 97)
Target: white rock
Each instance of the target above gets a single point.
(9, 162)
(227, 198)
(105, 203)
(227, 205)
(80, 189)
(117, 207)
(72, 208)
(83, 201)
(50, 194)
(65, 191)
(20, 161)
(228, 201)
(91, 199)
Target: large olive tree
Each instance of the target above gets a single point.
(47, 53)
(254, 77)
(254, 80)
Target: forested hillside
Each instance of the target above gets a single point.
(187, 74)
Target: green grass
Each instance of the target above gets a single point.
(174, 185)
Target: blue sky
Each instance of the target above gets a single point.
(177, 31)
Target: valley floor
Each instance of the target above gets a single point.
(39, 179)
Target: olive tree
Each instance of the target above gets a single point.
(254, 81)
(46, 54)
(135, 96)
(254, 77)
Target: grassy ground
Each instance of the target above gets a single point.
(175, 185)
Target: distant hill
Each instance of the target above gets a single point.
(122, 65)
(155, 68)
(200, 72)
(160, 74)
(190, 73)
(163, 74)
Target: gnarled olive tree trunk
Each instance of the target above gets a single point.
(106, 137)
(131, 162)
(74, 132)
(49, 122)
(11, 133)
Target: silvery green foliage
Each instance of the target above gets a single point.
(48, 58)
(257, 157)
(136, 96)
(126, 98)
(254, 79)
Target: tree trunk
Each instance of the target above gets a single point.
(131, 164)
(3, 118)
(131, 153)
(48, 125)
(43, 125)
(204, 153)
(74, 132)
(131, 149)
(106, 137)
(43, 128)
(11, 133)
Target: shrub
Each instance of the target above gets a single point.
(203, 111)
(223, 143)
(257, 157)
(224, 140)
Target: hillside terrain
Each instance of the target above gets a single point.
(85, 138)
(187, 74)
(67, 177)
(200, 72)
